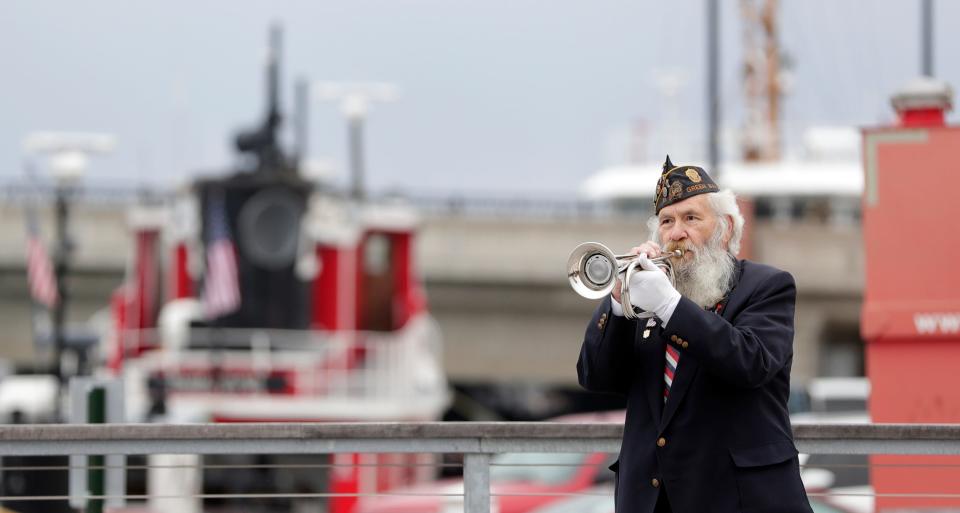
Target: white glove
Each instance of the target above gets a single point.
(616, 307)
(651, 290)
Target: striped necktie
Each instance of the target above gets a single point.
(669, 369)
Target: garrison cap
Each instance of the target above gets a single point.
(678, 183)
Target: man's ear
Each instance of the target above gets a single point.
(728, 236)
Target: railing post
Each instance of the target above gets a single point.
(96, 414)
(476, 483)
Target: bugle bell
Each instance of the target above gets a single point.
(592, 270)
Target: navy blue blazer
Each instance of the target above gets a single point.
(723, 442)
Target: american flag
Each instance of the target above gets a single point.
(221, 292)
(40, 276)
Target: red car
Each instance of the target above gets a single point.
(534, 476)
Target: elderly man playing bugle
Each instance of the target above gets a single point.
(707, 375)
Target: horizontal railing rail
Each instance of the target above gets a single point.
(446, 437)
(477, 441)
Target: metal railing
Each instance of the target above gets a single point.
(476, 441)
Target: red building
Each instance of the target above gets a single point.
(911, 311)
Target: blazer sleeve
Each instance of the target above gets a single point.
(752, 349)
(607, 351)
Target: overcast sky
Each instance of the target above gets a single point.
(501, 97)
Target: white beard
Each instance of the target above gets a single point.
(706, 278)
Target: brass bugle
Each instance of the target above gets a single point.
(592, 269)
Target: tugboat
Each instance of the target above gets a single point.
(260, 296)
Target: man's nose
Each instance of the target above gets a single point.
(677, 232)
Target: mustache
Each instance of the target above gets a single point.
(682, 246)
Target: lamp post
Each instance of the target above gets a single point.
(68, 159)
(68, 169)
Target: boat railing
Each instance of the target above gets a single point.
(305, 363)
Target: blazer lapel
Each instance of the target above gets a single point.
(687, 367)
(737, 295)
(650, 354)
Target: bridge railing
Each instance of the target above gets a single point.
(445, 205)
(478, 442)
(779, 209)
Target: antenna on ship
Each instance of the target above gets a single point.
(263, 142)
